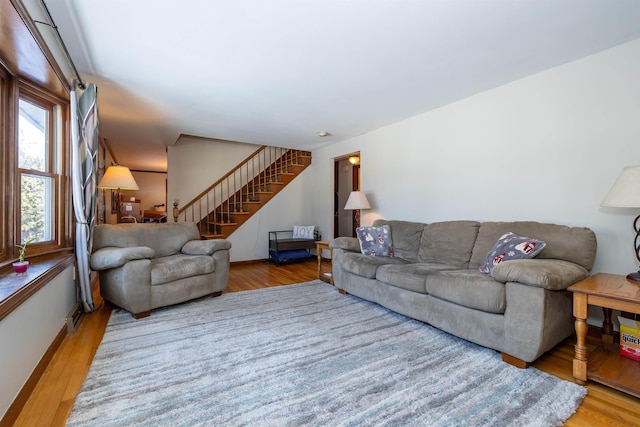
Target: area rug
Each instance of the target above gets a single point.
(305, 355)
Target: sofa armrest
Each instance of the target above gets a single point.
(551, 274)
(346, 243)
(112, 257)
(205, 247)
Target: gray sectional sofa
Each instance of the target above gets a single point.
(522, 309)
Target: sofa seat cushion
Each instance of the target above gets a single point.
(468, 288)
(411, 276)
(174, 267)
(365, 265)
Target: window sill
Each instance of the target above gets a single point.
(14, 289)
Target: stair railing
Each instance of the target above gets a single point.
(242, 184)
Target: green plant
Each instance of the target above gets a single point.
(23, 248)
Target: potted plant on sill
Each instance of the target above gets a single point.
(21, 266)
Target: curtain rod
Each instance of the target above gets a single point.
(64, 47)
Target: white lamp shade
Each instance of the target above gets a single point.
(118, 178)
(625, 193)
(357, 200)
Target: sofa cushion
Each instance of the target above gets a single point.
(511, 246)
(375, 241)
(364, 265)
(406, 237)
(448, 242)
(468, 288)
(409, 276)
(303, 231)
(574, 244)
(174, 267)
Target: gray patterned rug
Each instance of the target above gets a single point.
(305, 355)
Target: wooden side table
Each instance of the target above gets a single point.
(605, 365)
(326, 276)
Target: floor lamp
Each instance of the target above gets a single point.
(625, 193)
(118, 178)
(356, 202)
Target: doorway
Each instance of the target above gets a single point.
(346, 179)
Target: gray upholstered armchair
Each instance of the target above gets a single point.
(146, 266)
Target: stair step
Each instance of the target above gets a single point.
(250, 197)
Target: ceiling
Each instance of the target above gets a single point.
(277, 72)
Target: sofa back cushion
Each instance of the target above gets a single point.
(405, 237)
(574, 244)
(164, 238)
(448, 242)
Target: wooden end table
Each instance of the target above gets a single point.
(326, 276)
(605, 365)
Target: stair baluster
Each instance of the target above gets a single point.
(230, 201)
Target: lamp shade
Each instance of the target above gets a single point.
(357, 200)
(625, 193)
(118, 178)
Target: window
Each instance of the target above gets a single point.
(35, 178)
(38, 181)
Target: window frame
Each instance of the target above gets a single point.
(7, 89)
(58, 168)
(54, 145)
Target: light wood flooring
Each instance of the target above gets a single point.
(52, 399)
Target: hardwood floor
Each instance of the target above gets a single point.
(52, 399)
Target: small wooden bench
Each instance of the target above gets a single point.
(284, 248)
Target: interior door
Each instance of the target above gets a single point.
(346, 179)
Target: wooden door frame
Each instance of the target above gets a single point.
(355, 186)
(336, 208)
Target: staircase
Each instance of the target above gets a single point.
(233, 199)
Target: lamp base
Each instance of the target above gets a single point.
(634, 276)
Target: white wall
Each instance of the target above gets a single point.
(153, 189)
(545, 148)
(30, 329)
(292, 206)
(193, 164)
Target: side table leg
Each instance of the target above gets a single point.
(319, 252)
(581, 357)
(607, 326)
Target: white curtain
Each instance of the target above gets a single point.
(84, 172)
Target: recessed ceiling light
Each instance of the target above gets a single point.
(323, 134)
